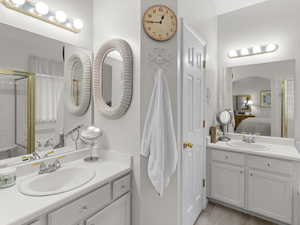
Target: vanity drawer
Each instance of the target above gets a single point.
(272, 165)
(81, 208)
(121, 186)
(228, 157)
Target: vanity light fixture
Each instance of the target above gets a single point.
(255, 50)
(41, 8)
(18, 3)
(41, 11)
(61, 16)
(245, 51)
(233, 54)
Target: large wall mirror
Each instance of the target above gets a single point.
(51, 70)
(263, 98)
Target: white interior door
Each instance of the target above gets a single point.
(192, 124)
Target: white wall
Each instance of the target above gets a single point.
(82, 10)
(273, 21)
(121, 19)
(157, 210)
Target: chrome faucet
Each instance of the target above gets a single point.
(36, 156)
(52, 167)
(249, 139)
(63, 136)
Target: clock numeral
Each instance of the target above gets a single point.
(154, 11)
(149, 15)
(160, 9)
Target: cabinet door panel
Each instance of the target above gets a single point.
(118, 213)
(270, 195)
(227, 183)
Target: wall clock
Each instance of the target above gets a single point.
(160, 23)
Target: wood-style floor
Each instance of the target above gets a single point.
(219, 215)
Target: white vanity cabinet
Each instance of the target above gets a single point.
(227, 177)
(227, 183)
(118, 213)
(258, 184)
(109, 204)
(270, 195)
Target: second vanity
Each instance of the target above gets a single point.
(104, 200)
(259, 179)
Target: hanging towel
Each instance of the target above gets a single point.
(159, 140)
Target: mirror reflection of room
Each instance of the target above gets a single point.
(112, 78)
(43, 59)
(263, 98)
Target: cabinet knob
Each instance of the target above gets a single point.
(251, 174)
(241, 172)
(268, 164)
(226, 157)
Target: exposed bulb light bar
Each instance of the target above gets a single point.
(41, 11)
(61, 16)
(41, 8)
(255, 50)
(18, 3)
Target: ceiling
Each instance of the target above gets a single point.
(225, 6)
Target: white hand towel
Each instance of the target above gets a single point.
(159, 140)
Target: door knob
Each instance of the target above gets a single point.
(187, 145)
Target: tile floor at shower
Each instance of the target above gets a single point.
(219, 215)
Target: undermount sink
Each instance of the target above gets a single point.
(63, 180)
(250, 146)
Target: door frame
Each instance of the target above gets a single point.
(180, 71)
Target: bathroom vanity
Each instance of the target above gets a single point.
(258, 178)
(104, 200)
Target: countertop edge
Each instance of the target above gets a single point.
(256, 153)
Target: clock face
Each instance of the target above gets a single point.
(160, 23)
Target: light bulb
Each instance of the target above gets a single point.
(78, 24)
(233, 53)
(271, 47)
(61, 16)
(245, 51)
(41, 8)
(69, 25)
(18, 2)
(256, 50)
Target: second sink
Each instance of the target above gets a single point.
(249, 146)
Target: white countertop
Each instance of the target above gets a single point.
(275, 150)
(19, 209)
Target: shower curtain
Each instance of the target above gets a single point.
(49, 100)
(49, 86)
